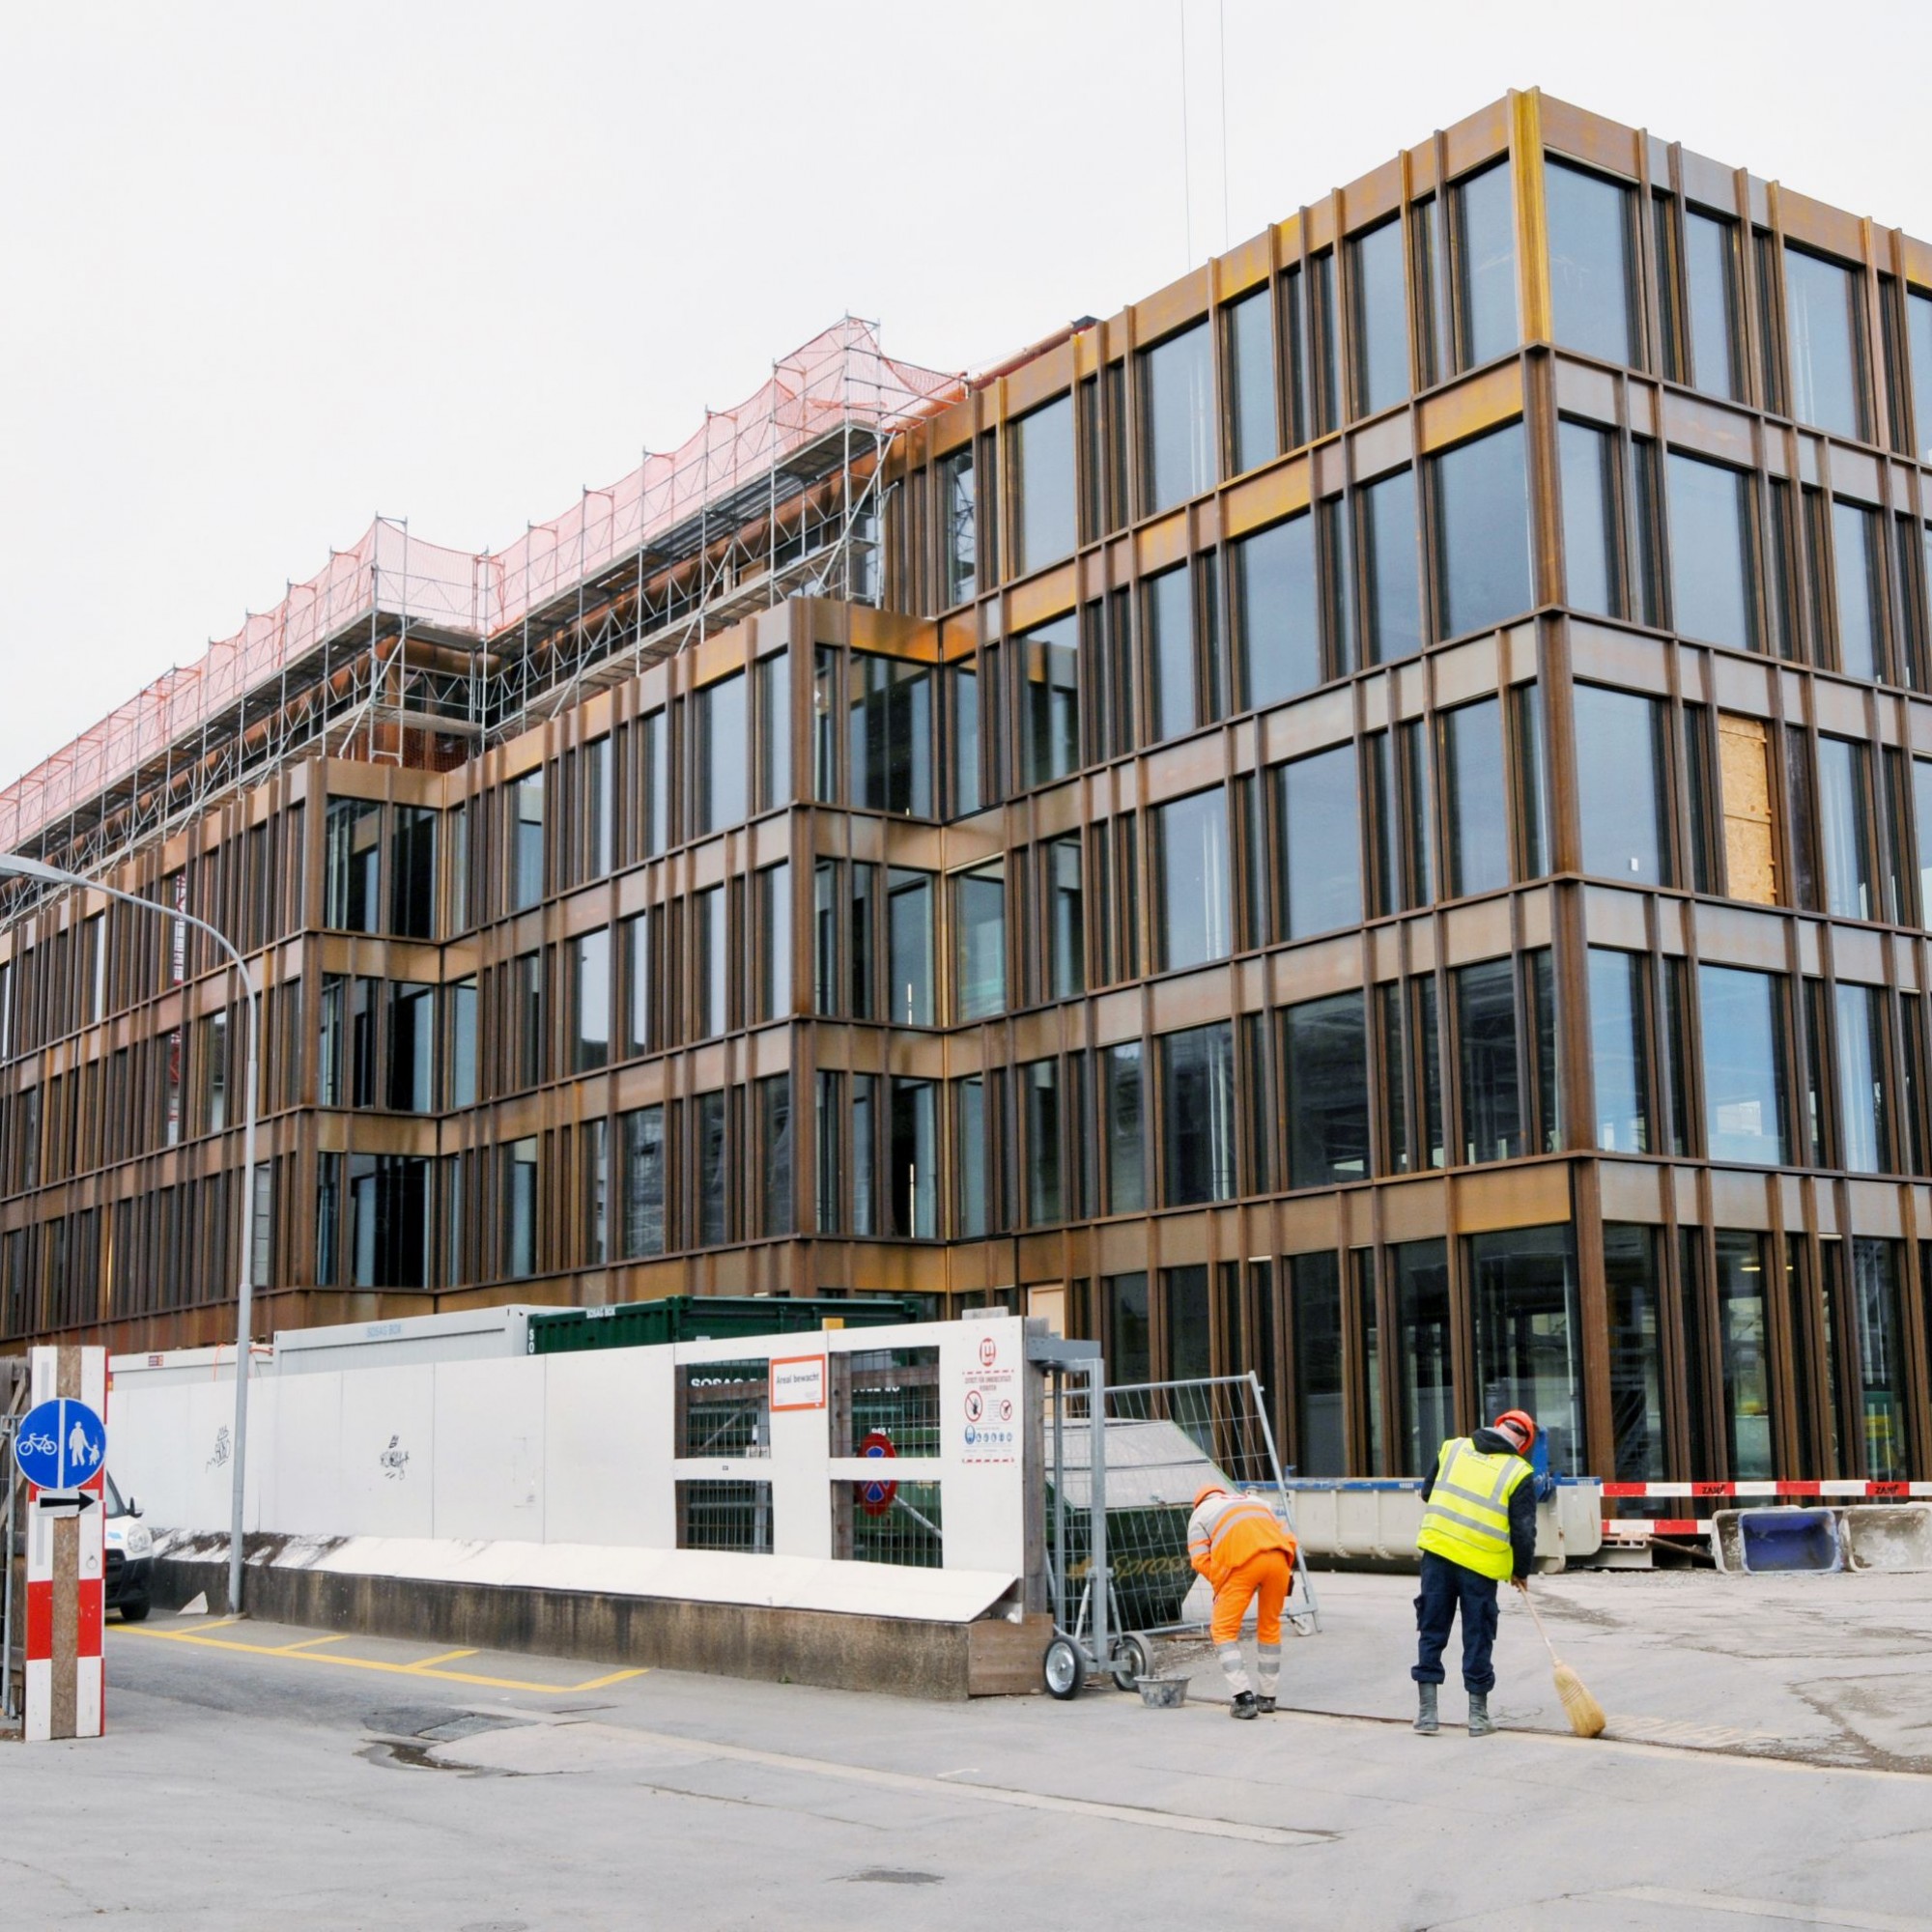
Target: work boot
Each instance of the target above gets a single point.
(1266, 1705)
(1245, 1705)
(1481, 1724)
(1426, 1720)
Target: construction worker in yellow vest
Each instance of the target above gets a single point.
(1244, 1550)
(1478, 1527)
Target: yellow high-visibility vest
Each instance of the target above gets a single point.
(1467, 1516)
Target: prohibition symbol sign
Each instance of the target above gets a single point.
(875, 1498)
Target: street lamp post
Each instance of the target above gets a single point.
(13, 866)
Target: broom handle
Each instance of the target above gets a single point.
(1540, 1630)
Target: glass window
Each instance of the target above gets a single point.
(956, 525)
(1844, 824)
(1129, 1338)
(824, 724)
(890, 735)
(1882, 1361)
(714, 1172)
(710, 974)
(772, 992)
(1746, 1355)
(1277, 601)
(1391, 583)
(1481, 533)
(1623, 786)
(1424, 1364)
(1042, 486)
(1197, 1071)
(526, 992)
(462, 1043)
(963, 739)
(1050, 699)
(590, 1000)
(1633, 1284)
(1588, 460)
(1324, 1061)
(640, 969)
(865, 1152)
(1619, 1057)
(413, 872)
(980, 906)
(1492, 1109)
(861, 938)
(1190, 855)
(1528, 1339)
(653, 783)
(1065, 924)
(774, 732)
(1483, 215)
(520, 1223)
(643, 1156)
(352, 831)
(1919, 347)
(1743, 1065)
(912, 1161)
(909, 948)
(1039, 1086)
(969, 1098)
(1710, 553)
(1320, 1433)
(1168, 610)
(1477, 833)
(1859, 577)
(723, 731)
(1921, 813)
(1381, 318)
(1317, 834)
(1592, 285)
(1821, 320)
(1711, 303)
(596, 809)
(1177, 418)
(1123, 1107)
(1250, 327)
(1861, 1078)
(774, 1103)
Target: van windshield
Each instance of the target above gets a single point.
(115, 1506)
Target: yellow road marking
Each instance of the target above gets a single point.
(308, 1643)
(448, 1656)
(422, 1670)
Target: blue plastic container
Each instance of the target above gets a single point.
(1772, 1540)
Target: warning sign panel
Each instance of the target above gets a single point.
(986, 1406)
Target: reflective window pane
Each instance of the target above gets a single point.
(1592, 286)
(1859, 1026)
(1277, 611)
(1320, 1433)
(1477, 833)
(1619, 1060)
(1039, 1089)
(1711, 303)
(980, 901)
(1633, 1284)
(1860, 588)
(1821, 320)
(1190, 854)
(1918, 348)
(1324, 1063)
(909, 948)
(1710, 553)
(1122, 1105)
(1391, 580)
(1197, 1072)
(1381, 318)
(890, 735)
(1744, 1360)
(722, 735)
(1168, 610)
(1250, 340)
(1041, 476)
(1621, 785)
(1528, 1342)
(1588, 461)
(1743, 1065)
(1318, 837)
(1492, 1108)
(1484, 252)
(971, 1153)
(1481, 533)
(1882, 1359)
(1177, 418)
(1845, 826)
(1129, 1338)
(956, 525)
(1049, 665)
(1422, 1349)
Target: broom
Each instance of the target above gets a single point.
(1586, 1714)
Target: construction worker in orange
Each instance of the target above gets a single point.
(1478, 1527)
(1243, 1549)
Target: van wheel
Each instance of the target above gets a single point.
(134, 1613)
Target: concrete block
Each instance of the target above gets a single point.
(1889, 1536)
(1785, 1540)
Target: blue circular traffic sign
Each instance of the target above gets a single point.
(61, 1445)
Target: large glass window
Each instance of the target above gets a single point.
(1122, 1105)
(1421, 1347)
(1710, 553)
(1477, 834)
(413, 872)
(1190, 853)
(1481, 533)
(1065, 924)
(1623, 787)
(1633, 1284)
(1320, 1433)
(1592, 283)
(775, 1155)
(1039, 1089)
(1167, 612)
(774, 732)
(962, 739)
(1197, 1072)
(1492, 1108)
(710, 966)
(909, 948)
(972, 1153)
(353, 861)
(714, 1172)
(1049, 662)
(1324, 1061)
(1711, 303)
(956, 525)
(1744, 1064)
(520, 1221)
(590, 1000)
(890, 735)
(1522, 1292)
(1177, 418)
(1319, 837)
(772, 983)
(1250, 340)
(1745, 1361)
(1619, 1057)
(1588, 459)
(1821, 325)
(462, 1043)
(1921, 815)
(979, 908)
(912, 1161)
(1860, 1014)
(723, 731)
(1129, 1342)
(1483, 210)
(1380, 318)
(1860, 578)
(1882, 1361)
(527, 840)
(1277, 605)
(1391, 580)
(1042, 480)
(1919, 351)
(643, 1140)
(1845, 825)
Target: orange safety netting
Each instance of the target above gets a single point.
(838, 377)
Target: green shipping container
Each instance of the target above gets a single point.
(701, 1317)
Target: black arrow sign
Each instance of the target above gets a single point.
(59, 1502)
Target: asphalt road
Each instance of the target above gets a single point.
(256, 1776)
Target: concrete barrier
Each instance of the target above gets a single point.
(1788, 1541)
(1889, 1536)
(1369, 1523)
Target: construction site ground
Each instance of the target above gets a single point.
(1768, 1758)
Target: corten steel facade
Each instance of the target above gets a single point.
(1374, 823)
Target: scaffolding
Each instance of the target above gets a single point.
(415, 652)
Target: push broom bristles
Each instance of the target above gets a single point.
(1585, 1713)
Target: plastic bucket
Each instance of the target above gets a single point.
(1163, 1694)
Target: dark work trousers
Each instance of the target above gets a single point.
(1444, 1586)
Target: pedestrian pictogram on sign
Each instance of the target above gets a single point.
(875, 1498)
(61, 1444)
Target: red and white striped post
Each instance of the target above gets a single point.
(67, 1573)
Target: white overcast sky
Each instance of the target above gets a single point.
(266, 270)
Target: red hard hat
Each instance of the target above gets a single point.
(1520, 1427)
(1207, 1489)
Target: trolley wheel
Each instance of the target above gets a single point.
(1302, 1622)
(1064, 1669)
(1129, 1663)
